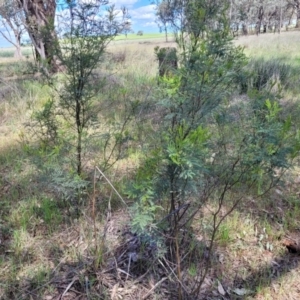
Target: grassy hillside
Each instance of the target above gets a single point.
(47, 251)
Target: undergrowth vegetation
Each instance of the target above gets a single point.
(176, 187)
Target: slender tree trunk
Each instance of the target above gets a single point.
(298, 16)
(18, 52)
(280, 18)
(245, 29)
(265, 28)
(166, 33)
(79, 136)
(260, 19)
(79, 150)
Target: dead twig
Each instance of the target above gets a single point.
(68, 287)
(155, 286)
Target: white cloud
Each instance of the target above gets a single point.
(88, 1)
(126, 3)
(143, 13)
(150, 24)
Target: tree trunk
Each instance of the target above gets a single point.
(39, 22)
(265, 28)
(245, 29)
(298, 16)
(166, 33)
(78, 113)
(260, 19)
(18, 52)
(257, 28)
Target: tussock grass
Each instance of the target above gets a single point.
(283, 46)
(139, 59)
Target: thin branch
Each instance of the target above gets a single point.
(154, 287)
(111, 186)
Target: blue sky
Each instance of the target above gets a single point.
(141, 12)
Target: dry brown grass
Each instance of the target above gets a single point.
(284, 45)
(139, 57)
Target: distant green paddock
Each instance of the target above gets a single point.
(134, 36)
(9, 52)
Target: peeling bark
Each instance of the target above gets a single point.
(39, 22)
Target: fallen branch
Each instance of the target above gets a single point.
(155, 286)
(68, 287)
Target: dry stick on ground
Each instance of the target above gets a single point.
(87, 283)
(128, 268)
(173, 272)
(68, 287)
(155, 286)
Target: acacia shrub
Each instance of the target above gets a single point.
(209, 148)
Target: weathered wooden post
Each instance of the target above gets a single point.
(167, 60)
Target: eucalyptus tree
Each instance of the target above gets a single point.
(262, 15)
(294, 5)
(39, 22)
(12, 21)
(242, 15)
(127, 28)
(164, 15)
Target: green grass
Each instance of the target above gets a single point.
(34, 212)
(145, 36)
(9, 52)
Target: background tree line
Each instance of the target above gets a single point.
(37, 19)
(246, 16)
